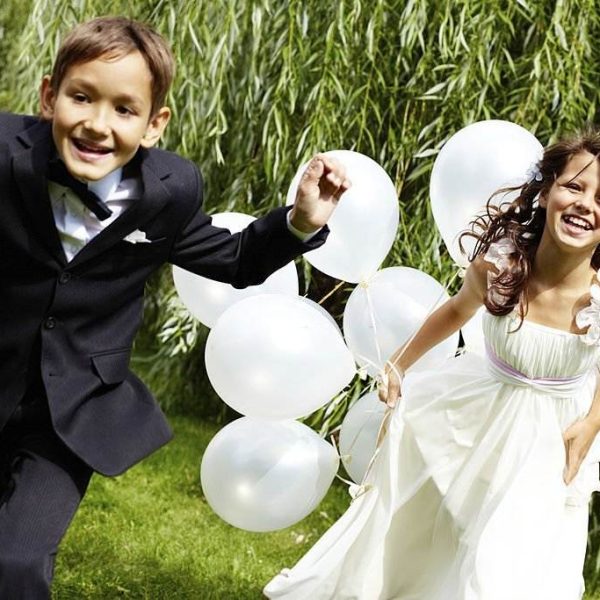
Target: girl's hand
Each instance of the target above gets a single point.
(578, 438)
(389, 384)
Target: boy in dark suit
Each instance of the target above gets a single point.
(89, 210)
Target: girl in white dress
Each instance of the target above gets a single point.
(481, 486)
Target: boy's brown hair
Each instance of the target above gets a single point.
(115, 37)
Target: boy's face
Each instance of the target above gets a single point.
(101, 114)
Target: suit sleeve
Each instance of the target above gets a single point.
(241, 259)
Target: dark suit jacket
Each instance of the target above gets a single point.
(75, 322)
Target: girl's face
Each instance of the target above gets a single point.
(573, 205)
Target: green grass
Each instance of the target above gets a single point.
(150, 534)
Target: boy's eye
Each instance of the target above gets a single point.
(79, 97)
(124, 110)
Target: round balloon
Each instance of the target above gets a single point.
(474, 163)
(276, 357)
(383, 314)
(364, 224)
(359, 433)
(266, 475)
(324, 312)
(207, 299)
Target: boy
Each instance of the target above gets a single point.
(74, 262)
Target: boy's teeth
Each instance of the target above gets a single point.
(87, 148)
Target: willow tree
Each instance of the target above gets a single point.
(261, 85)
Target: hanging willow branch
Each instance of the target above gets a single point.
(261, 85)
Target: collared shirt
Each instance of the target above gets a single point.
(77, 225)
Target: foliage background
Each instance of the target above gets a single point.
(263, 84)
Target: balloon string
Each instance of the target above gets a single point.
(364, 486)
(356, 490)
(341, 457)
(367, 362)
(432, 307)
(370, 414)
(333, 291)
(372, 319)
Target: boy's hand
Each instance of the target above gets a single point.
(319, 190)
(577, 438)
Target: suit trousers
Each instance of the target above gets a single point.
(41, 485)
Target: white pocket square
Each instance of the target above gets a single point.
(137, 237)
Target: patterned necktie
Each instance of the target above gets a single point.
(57, 172)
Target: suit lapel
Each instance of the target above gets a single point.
(142, 210)
(29, 168)
(30, 165)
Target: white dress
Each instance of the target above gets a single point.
(466, 499)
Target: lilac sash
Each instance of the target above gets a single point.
(554, 386)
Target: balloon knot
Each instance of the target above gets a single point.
(356, 491)
(362, 373)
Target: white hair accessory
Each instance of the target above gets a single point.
(533, 173)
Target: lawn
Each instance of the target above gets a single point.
(149, 534)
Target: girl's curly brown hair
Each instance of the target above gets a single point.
(522, 222)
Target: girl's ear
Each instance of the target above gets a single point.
(542, 200)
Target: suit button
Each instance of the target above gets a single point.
(50, 323)
(64, 277)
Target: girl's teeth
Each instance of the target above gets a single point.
(577, 223)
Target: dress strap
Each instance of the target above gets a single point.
(554, 386)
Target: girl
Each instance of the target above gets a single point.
(481, 486)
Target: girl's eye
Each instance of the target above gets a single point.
(124, 110)
(573, 186)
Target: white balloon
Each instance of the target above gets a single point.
(474, 163)
(266, 475)
(383, 314)
(364, 224)
(359, 433)
(207, 299)
(324, 312)
(472, 332)
(276, 357)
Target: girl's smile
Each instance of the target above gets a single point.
(573, 205)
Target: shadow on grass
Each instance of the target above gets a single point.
(159, 583)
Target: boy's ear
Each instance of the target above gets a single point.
(47, 99)
(156, 126)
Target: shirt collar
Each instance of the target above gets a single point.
(104, 187)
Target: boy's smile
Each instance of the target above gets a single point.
(101, 114)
